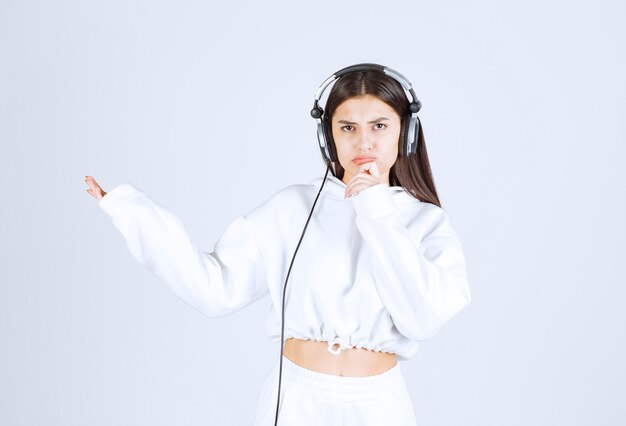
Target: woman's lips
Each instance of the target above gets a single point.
(362, 160)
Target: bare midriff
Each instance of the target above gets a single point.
(352, 362)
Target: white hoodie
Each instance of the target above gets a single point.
(380, 270)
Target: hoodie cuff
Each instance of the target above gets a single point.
(374, 201)
(110, 203)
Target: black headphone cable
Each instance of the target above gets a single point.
(282, 332)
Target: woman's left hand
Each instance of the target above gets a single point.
(367, 176)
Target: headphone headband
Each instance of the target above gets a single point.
(412, 124)
(406, 84)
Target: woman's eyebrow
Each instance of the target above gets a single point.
(369, 122)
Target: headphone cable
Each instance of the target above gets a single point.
(282, 332)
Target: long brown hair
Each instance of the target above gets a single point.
(413, 173)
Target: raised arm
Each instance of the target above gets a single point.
(216, 283)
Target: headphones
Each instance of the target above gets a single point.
(410, 132)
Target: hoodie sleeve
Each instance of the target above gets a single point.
(216, 283)
(419, 268)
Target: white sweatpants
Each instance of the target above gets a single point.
(312, 398)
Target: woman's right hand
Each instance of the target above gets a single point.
(94, 188)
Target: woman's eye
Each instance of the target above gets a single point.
(380, 126)
(347, 128)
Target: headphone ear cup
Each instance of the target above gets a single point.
(330, 143)
(404, 137)
(322, 140)
(411, 134)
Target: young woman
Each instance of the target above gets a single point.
(378, 270)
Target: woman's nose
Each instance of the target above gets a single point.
(365, 143)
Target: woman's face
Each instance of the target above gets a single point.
(366, 129)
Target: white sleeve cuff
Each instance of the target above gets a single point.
(374, 201)
(121, 191)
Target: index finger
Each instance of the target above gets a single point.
(371, 168)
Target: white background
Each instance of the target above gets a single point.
(206, 107)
